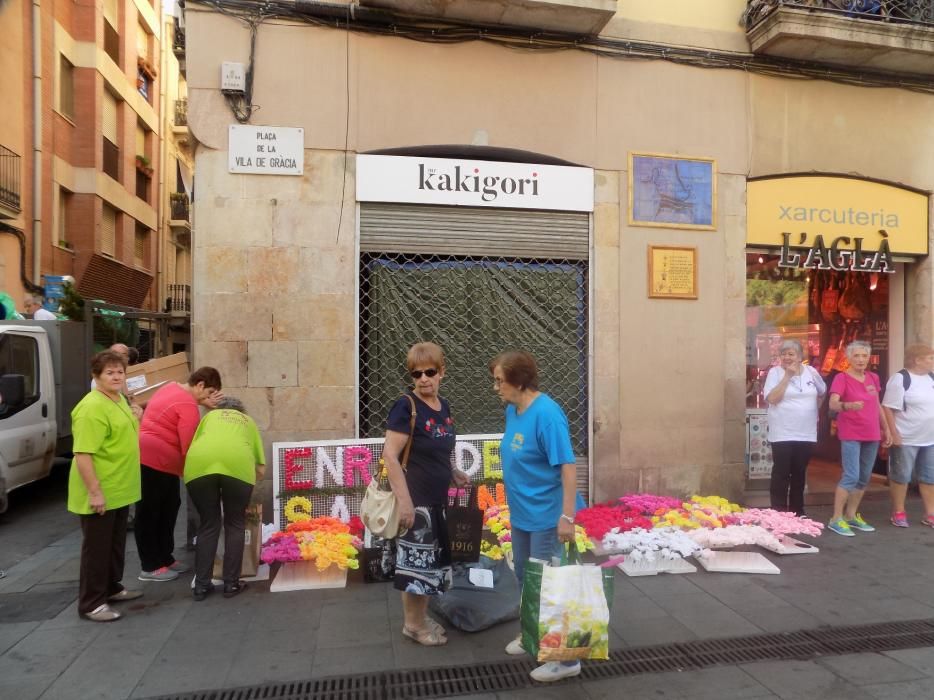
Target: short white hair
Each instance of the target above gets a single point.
(792, 344)
(857, 345)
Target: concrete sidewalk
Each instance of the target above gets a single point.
(167, 643)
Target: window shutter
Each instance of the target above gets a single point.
(109, 231)
(142, 41)
(110, 12)
(516, 233)
(109, 118)
(140, 141)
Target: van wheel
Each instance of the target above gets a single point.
(4, 497)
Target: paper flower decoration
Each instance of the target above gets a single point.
(325, 541)
(600, 519)
(649, 504)
(779, 523)
(297, 508)
(650, 545)
(734, 536)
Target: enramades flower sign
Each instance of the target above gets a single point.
(329, 477)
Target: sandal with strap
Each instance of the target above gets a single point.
(425, 637)
(435, 626)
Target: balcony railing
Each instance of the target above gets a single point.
(111, 158)
(180, 206)
(178, 40)
(9, 178)
(181, 112)
(179, 298)
(899, 11)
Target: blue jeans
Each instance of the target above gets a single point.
(542, 544)
(858, 457)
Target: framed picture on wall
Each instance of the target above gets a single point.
(672, 272)
(672, 192)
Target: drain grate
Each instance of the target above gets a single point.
(507, 675)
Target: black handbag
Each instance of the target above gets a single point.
(465, 529)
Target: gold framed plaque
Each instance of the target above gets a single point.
(672, 272)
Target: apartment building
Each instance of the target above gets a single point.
(89, 106)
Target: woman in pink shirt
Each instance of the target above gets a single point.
(861, 424)
(165, 433)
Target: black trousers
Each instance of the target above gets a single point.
(789, 474)
(103, 550)
(156, 514)
(209, 493)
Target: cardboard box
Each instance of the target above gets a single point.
(143, 379)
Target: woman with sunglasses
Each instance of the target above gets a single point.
(423, 562)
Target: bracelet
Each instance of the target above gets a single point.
(842, 406)
(568, 518)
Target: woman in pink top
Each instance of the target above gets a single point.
(861, 424)
(165, 433)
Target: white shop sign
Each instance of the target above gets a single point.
(266, 150)
(473, 183)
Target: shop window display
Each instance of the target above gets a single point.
(825, 310)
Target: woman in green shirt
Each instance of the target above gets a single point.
(103, 482)
(221, 467)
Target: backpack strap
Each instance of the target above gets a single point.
(408, 445)
(906, 382)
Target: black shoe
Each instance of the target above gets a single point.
(201, 592)
(232, 589)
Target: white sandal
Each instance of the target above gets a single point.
(102, 613)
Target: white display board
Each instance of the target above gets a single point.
(266, 150)
(473, 183)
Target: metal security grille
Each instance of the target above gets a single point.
(446, 274)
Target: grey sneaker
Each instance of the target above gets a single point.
(179, 568)
(162, 574)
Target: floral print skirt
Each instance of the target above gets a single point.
(423, 560)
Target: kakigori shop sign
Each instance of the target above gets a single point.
(836, 223)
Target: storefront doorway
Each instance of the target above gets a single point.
(824, 310)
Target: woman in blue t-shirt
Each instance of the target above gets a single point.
(540, 476)
(423, 561)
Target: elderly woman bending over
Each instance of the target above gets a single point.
(793, 391)
(221, 467)
(861, 424)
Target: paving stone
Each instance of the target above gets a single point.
(121, 654)
(45, 652)
(26, 688)
(364, 658)
(802, 680)
(920, 659)
(867, 669)
(12, 632)
(787, 618)
(923, 688)
(653, 631)
(272, 656)
(40, 602)
(707, 684)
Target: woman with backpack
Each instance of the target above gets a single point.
(909, 408)
(793, 391)
(861, 425)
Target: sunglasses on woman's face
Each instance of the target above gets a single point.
(417, 374)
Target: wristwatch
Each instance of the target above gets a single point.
(568, 518)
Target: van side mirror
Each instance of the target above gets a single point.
(12, 390)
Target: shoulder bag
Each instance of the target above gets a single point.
(379, 510)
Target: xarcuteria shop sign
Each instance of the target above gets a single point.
(840, 223)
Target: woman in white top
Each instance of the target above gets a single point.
(793, 391)
(909, 409)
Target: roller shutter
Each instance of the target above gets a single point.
(109, 118)
(506, 233)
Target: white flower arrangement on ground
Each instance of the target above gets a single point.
(734, 536)
(650, 545)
